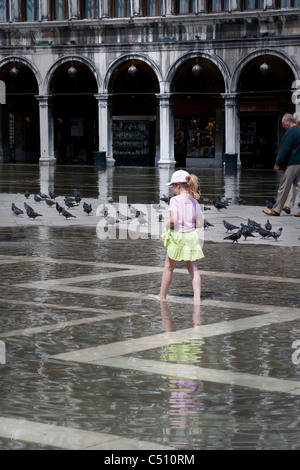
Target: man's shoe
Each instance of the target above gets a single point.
(270, 212)
(286, 209)
(297, 215)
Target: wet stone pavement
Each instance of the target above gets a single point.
(89, 359)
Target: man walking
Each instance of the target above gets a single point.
(289, 156)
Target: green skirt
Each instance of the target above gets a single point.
(183, 246)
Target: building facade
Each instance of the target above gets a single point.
(148, 82)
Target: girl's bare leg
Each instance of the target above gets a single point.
(166, 278)
(196, 279)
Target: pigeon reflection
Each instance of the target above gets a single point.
(185, 394)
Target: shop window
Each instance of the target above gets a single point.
(194, 137)
(30, 10)
(153, 7)
(253, 4)
(121, 8)
(60, 10)
(4, 16)
(89, 8)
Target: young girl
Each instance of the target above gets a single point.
(182, 235)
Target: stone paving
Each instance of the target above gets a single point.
(248, 374)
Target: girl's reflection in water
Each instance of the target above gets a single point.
(186, 394)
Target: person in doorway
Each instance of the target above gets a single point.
(182, 232)
(290, 202)
(288, 160)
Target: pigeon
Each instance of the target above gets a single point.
(70, 203)
(77, 198)
(43, 196)
(141, 219)
(87, 208)
(37, 198)
(135, 212)
(229, 226)
(122, 218)
(269, 204)
(110, 220)
(255, 225)
(224, 199)
(27, 194)
(27, 207)
(77, 193)
(67, 214)
(165, 199)
(246, 231)
(16, 210)
(49, 202)
(276, 235)
(264, 232)
(159, 216)
(110, 199)
(219, 205)
(52, 195)
(268, 225)
(204, 200)
(102, 211)
(234, 236)
(240, 201)
(207, 224)
(59, 208)
(32, 214)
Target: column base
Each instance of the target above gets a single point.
(166, 163)
(110, 161)
(47, 161)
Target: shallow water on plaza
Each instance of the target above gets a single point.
(184, 413)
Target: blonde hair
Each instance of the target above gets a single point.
(193, 187)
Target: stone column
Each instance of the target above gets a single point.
(136, 8)
(46, 131)
(15, 8)
(105, 127)
(166, 123)
(168, 9)
(73, 9)
(103, 8)
(44, 10)
(232, 123)
(270, 4)
(296, 95)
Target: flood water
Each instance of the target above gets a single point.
(139, 185)
(231, 411)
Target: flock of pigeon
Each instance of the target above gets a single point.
(69, 201)
(244, 230)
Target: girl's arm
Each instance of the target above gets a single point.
(172, 221)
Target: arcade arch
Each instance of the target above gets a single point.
(264, 85)
(19, 118)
